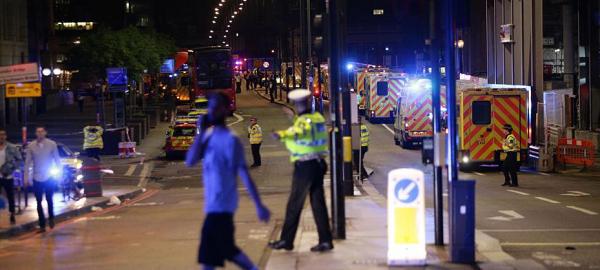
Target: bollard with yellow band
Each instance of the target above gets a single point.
(347, 149)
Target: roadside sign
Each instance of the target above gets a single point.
(116, 76)
(168, 66)
(29, 72)
(20, 90)
(406, 218)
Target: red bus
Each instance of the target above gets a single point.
(212, 71)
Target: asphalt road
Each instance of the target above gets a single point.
(161, 229)
(553, 219)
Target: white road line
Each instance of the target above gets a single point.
(547, 200)
(518, 192)
(478, 173)
(544, 174)
(541, 244)
(239, 119)
(146, 170)
(583, 210)
(543, 230)
(389, 129)
(130, 170)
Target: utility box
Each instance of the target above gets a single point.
(462, 228)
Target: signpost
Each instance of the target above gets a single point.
(117, 83)
(28, 72)
(20, 90)
(406, 218)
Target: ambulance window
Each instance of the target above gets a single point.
(482, 112)
(382, 88)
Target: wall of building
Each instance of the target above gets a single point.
(13, 50)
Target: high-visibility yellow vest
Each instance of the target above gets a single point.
(364, 135)
(92, 139)
(255, 133)
(510, 144)
(307, 138)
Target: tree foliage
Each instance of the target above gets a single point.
(135, 49)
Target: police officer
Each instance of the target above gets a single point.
(92, 140)
(364, 148)
(255, 135)
(510, 146)
(307, 142)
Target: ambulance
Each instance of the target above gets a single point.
(382, 92)
(414, 113)
(482, 113)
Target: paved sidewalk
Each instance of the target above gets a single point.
(366, 245)
(27, 218)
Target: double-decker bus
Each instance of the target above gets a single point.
(212, 71)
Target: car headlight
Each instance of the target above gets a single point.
(54, 171)
(465, 159)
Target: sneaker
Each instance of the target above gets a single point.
(322, 247)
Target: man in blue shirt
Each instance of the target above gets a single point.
(222, 156)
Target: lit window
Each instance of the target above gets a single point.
(378, 12)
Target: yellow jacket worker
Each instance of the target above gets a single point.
(92, 140)
(255, 135)
(306, 140)
(510, 146)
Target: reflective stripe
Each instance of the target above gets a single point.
(255, 133)
(364, 135)
(306, 138)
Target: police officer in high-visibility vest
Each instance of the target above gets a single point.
(364, 148)
(510, 147)
(92, 141)
(307, 142)
(255, 135)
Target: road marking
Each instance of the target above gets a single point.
(389, 129)
(543, 230)
(509, 215)
(547, 200)
(575, 193)
(541, 244)
(518, 192)
(130, 170)
(146, 170)
(583, 210)
(239, 119)
(554, 260)
(544, 174)
(478, 173)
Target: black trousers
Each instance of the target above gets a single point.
(93, 153)
(256, 154)
(238, 87)
(308, 178)
(9, 188)
(361, 157)
(40, 189)
(509, 167)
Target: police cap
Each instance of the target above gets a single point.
(299, 94)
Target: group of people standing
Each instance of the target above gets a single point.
(256, 79)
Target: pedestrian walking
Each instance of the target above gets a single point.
(238, 83)
(222, 156)
(307, 142)
(80, 101)
(247, 78)
(10, 161)
(255, 136)
(92, 140)
(364, 148)
(42, 157)
(510, 147)
(271, 84)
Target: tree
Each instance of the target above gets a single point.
(130, 47)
